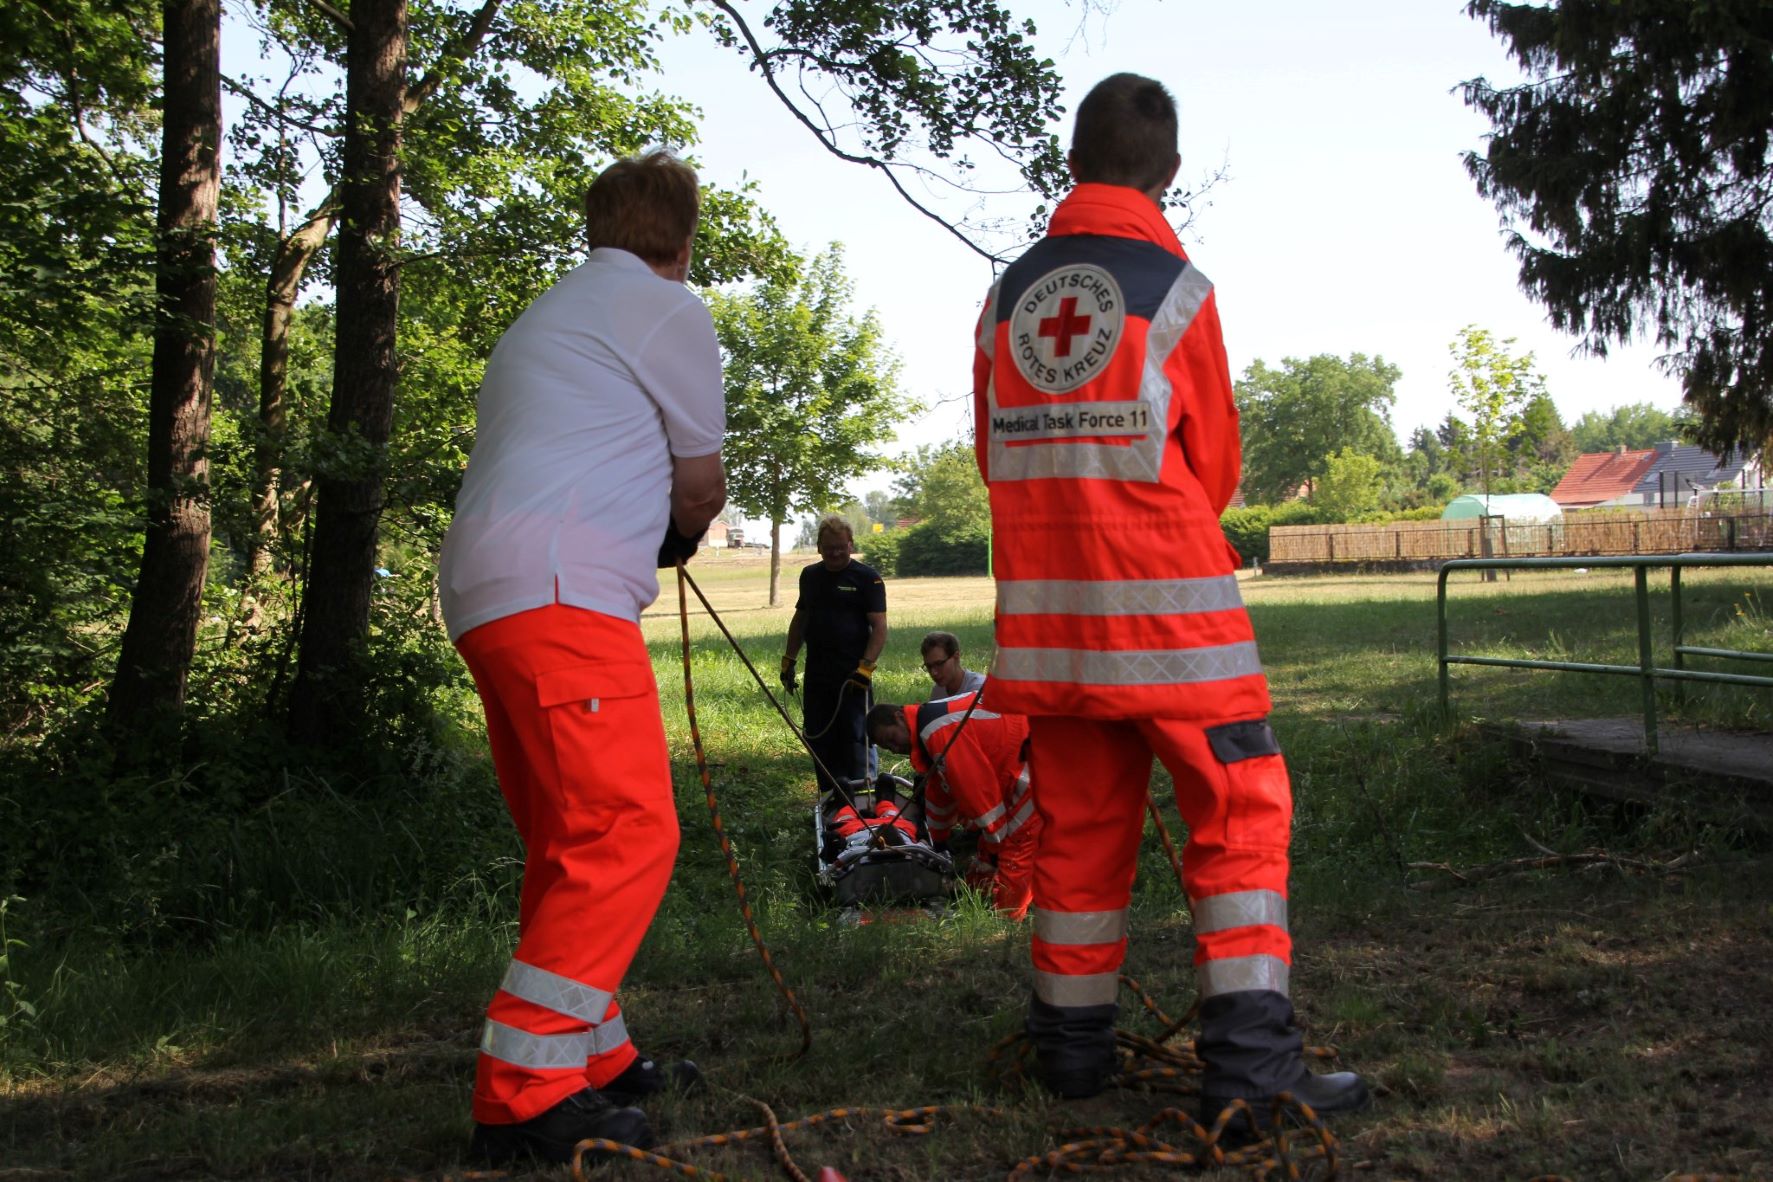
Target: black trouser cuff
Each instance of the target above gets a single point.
(1249, 1044)
(1070, 1039)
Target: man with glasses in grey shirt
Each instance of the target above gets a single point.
(941, 660)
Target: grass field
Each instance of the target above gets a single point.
(1605, 1023)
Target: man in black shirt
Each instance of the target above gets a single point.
(841, 615)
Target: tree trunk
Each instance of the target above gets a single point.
(327, 692)
(775, 556)
(281, 289)
(162, 632)
(285, 285)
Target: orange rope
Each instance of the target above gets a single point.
(726, 845)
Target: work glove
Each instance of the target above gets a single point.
(788, 682)
(677, 548)
(863, 677)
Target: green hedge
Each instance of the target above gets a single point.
(924, 550)
(881, 550)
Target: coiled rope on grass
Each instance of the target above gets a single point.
(899, 1121)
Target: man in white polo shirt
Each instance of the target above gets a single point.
(600, 418)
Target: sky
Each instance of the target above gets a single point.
(1347, 224)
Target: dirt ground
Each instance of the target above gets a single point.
(1584, 1024)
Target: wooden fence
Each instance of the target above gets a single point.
(1595, 532)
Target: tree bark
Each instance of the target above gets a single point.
(284, 286)
(294, 254)
(161, 635)
(327, 694)
(775, 556)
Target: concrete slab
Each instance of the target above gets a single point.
(1748, 754)
(1724, 773)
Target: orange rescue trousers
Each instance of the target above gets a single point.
(1005, 870)
(1232, 791)
(572, 715)
(1012, 878)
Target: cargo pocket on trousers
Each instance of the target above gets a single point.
(609, 740)
(1259, 804)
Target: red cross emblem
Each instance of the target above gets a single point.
(1064, 326)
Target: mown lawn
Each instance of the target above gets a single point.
(1597, 1023)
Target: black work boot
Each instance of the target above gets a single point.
(1074, 1054)
(1251, 1049)
(644, 1078)
(551, 1136)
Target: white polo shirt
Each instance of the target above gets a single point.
(586, 398)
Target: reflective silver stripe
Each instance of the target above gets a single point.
(1237, 974)
(933, 812)
(988, 322)
(1140, 460)
(610, 1036)
(1023, 787)
(561, 994)
(1128, 667)
(1239, 909)
(1084, 989)
(1080, 927)
(989, 817)
(950, 719)
(1014, 823)
(1118, 597)
(542, 1052)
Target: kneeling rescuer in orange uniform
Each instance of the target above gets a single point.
(977, 764)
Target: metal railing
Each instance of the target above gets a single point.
(1646, 670)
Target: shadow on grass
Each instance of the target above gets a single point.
(1546, 1022)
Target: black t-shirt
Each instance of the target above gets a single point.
(834, 607)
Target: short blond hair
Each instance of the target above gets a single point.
(646, 205)
(833, 524)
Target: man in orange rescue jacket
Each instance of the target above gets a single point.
(982, 780)
(1107, 435)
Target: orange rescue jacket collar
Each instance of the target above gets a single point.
(1116, 211)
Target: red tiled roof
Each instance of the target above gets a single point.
(1602, 476)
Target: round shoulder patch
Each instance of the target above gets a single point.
(1066, 326)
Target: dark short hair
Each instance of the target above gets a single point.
(949, 641)
(1125, 133)
(884, 714)
(646, 205)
